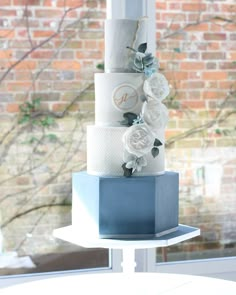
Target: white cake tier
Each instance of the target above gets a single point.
(116, 94)
(120, 33)
(105, 153)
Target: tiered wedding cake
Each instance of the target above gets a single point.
(126, 192)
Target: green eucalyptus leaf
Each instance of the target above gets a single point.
(138, 65)
(130, 117)
(101, 66)
(218, 131)
(142, 47)
(36, 102)
(155, 152)
(29, 105)
(148, 60)
(24, 119)
(48, 121)
(127, 171)
(157, 142)
(177, 50)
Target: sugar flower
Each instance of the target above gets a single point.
(134, 163)
(155, 114)
(138, 140)
(156, 87)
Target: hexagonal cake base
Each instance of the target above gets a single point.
(119, 207)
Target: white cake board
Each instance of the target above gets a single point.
(128, 246)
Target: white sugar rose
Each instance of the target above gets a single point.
(155, 114)
(138, 140)
(156, 87)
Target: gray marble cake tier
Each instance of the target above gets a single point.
(120, 33)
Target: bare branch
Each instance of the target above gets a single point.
(198, 129)
(35, 208)
(41, 44)
(197, 22)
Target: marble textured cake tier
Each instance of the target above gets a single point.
(120, 33)
(118, 207)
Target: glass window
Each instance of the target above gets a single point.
(49, 52)
(197, 55)
(206, 200)
(36, 195)
(35, 200)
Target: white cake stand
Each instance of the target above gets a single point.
(127, 246)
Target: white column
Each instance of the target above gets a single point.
(135, 9)
(128, 263)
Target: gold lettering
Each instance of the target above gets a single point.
(122, 99)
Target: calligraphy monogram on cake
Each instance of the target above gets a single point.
(125, 97)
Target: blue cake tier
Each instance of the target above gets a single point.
(119, 207)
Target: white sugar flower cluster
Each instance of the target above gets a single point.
(140, 138)
(154, 112)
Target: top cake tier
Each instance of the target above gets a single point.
(120, 33)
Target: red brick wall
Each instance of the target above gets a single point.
(196, 47)
(59, 47)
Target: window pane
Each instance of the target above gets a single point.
(27, 244)
(49, 53)
(207, 200)
(36, 196)
(197, 55)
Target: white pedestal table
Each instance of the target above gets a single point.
(127, 284)
(127, 246)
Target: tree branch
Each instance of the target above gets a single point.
(41, 44)
(21, 214)
(198, 129)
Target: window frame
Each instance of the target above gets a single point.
(223, 268)
(115, 258)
